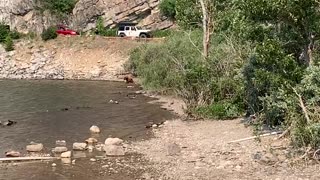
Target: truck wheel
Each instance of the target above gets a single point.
(143, 36)
(122, 35)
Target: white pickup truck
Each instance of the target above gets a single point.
(131, 30)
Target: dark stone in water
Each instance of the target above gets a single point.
(8, 123)
(65, 109)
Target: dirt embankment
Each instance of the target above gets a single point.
(92, 58)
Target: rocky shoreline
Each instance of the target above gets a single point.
(67, 58)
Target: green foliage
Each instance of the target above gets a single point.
(101, 29)
(49, 33)
(58, 7)
(162, 33)
(8, 44)
(188, 13)
(168, 8)
(177, 66)
(4, 32)
(220, 110)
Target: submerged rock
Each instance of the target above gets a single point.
(66, 160)
(114, 150)
(113, 141)
(91, 141)
(66, 154)
(35, 147)
(60, 149)
(61, 143)
(79, 146)
(13, 154)
(94, 129)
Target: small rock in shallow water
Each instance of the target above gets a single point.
(13, 154)
(93, 160)
(66, 160)
(91, 140)
(34, 147)
(113, 141)
(114, 150)
(73, 161)
(66, 154)
(61, 143)
(94, 129)
(53, 164)
(79, 146)
(154, 126)
(60, 149)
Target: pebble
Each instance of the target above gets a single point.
(154, 126)
(74, 161)
(93, 160)
(53, 164)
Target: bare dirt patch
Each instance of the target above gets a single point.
(200, 150)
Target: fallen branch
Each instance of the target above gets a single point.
(303, 107)
(253, 137)
(27, 158)
(285, 132)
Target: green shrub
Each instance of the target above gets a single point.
(168, 8)
(162, 33)
(59, 7)
(4, 31)
(8, 44)
(268, 70)
(102, 31)
(177, 66)
(49, 33)
(15, 35)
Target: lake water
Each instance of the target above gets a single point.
(46, 111)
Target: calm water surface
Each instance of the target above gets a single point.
(37, 106)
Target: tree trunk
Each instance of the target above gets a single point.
(205, 27)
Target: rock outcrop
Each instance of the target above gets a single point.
(144, 12)
(24, 16)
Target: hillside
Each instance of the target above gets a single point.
(30, 15)
(95, 58)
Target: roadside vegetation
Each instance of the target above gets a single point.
(229, 59)
(7, 36)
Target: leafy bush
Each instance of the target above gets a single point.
(49, 33)
(162, 33)
(8, 44)
(269, 69)
(4, 32)
(178, 67)
(168, 8)
(59, 7)
(101, 29)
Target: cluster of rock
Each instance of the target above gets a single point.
(111, 147)
(24, 16)
(38, 67)
(41, 63)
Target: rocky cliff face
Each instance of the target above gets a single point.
(23, 16)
